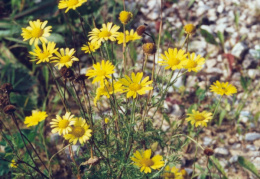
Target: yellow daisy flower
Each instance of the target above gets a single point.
(101, 71)
(130, 36)
(35, 118)
(125, 17)
(134, 86)
(199, 118)
(70, 4)
(62, 125)
(106, 120)
(91, 47)
(13, 164)
(107, 89)
(107, 32)
(143, 160)
(65, 58)
(173, 59)
(80, 132)
(190, 29)
(36, 31)
(44, 54)
(223, 88)
(172, 173)
(194, 63)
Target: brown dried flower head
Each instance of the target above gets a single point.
(208, 151)
(9, 109)
(149, 48)
(80, 78)
(67, 72)
(7, 87)
(141, 29)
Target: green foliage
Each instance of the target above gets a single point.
(248, 165)
(208, 37)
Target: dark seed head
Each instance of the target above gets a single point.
(208, 151)
(140, 30)
(9, 109)
(7, 87)
(67, 73)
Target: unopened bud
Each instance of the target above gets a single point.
(9, 109)
(208, 152)
(140, 30)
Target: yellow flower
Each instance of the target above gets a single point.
(132, 36)
(190, 29)
(62, 125)
(173, 59)
(106, 120)
(101, 71)
(173, 173)
(80, 132)
(149, 48)
(223, 88)
(194, 63)
(125, 17)
(44, 54)
(143, 160)
(65, 58)
(13, 164)
(70, 4)
(36, 31)
(199, 118)
(134, 86)
(107, 32)
(91, 47)
(107, 89)
(35, 118)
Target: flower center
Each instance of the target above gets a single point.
(191, 64)
(72, 3)
(174, 61)
(65, 59)
(104, 34)
(102, 73)
(63, 123)
(147, 162)
(78, 131)
(135, 87)
(199, 117)
(37, 32)
(44, 55)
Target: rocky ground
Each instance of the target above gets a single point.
(238, 56)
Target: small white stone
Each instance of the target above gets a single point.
(221, 151)
(233, 159)
(252, 136)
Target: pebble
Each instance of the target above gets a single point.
(233, 159)
(54, 137)
(256, 162)
(211, 63)
(251, 147)
(221, 151)
(207, 141)
(252, 136)
(238, 49)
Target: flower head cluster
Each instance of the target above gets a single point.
(80, 131)
(172, 173)
(135, 85)
(199, 118)
(178, 59)
(189, 29)
(36, 31)
(70, 4)
(143, 160)
(13, 164)
(222, 88)
(72, 128)
(130, 36)
(107, 32)
(101, 71)
(35, 118)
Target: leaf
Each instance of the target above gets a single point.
(222, 116)
(208, 36)
(221, 38)
(57, 38)
(248, 165)
(218, 167)
(245, 82)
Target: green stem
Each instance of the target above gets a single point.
(216, 107)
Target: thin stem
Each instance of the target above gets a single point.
(72, 158)
(124, 44)
(207, 164)
(187, 36)
(216, 107)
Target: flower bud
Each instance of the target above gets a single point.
(125, 17)
(141, 29)
(190, 29)
(9, 109)
(208, 152)
(149, 48)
